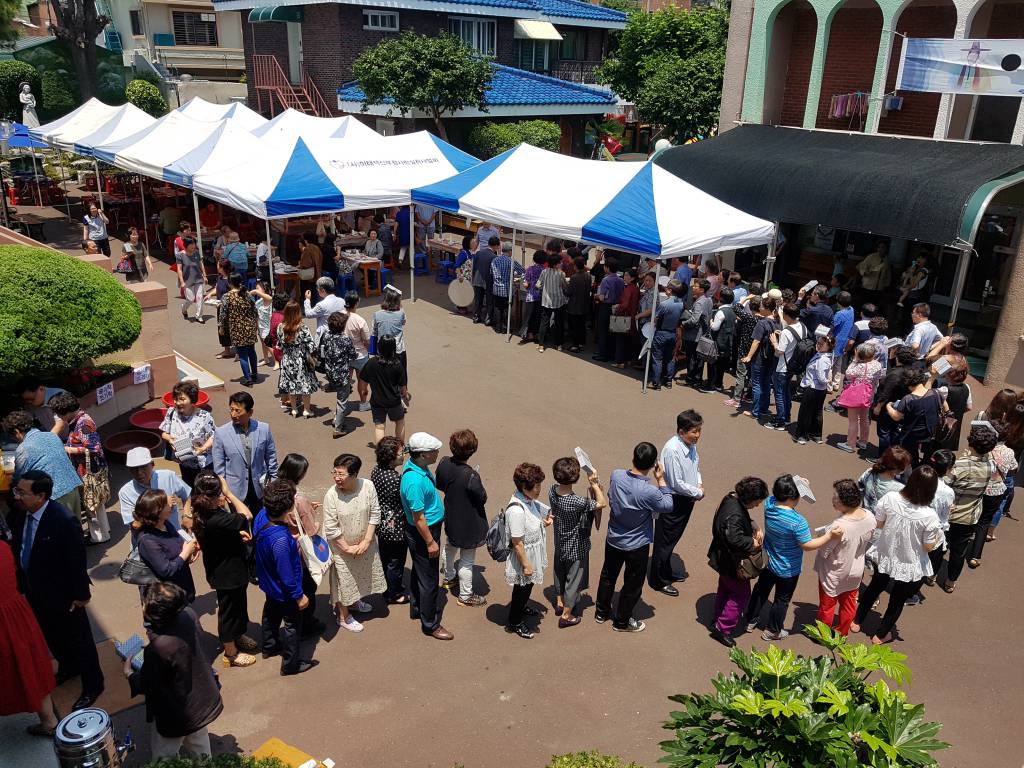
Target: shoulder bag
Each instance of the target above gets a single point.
(750, 567)
(619, 323)
(316, 555)
(857, 394)
(134, 571)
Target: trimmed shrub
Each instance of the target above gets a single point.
(146, 97)
(57, 96)
(57, 312)
(490, 139)
(588, 759)
(12, 74)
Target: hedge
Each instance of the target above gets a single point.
(490, 139)
(146, 97)
(57, 312)
(12, 74)
(57, 96)
(217, 761)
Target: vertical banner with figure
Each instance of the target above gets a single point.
(974, 67)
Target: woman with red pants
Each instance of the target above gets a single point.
(840, 563)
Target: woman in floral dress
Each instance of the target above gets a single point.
(297, 379)
(243, 327)
(337, 353)
(351, 516)
(85, 450)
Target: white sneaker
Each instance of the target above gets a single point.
(361, 607)
(846, 447)
(769, 635)
(364, 406)
(351, 624)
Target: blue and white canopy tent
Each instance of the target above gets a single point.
(634, 207)
(236, 112)
(291, 123)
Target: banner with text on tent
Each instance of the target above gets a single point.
(975, 67)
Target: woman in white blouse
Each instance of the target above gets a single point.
(351, 516)
(526, 520)
(910, 529)
(188, 431)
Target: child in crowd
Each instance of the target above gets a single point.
(815, 388)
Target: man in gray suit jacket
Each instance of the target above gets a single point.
(244, 453)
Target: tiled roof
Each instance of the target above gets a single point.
(575, 9)
(522, 5)
(517, 87)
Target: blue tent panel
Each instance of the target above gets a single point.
(446, 194)
(619, 224)
(460, 160)
(303, 187)
(20, 139)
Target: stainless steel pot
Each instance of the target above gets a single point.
(85, 739)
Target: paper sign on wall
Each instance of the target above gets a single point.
(142, 374)
(104, 393)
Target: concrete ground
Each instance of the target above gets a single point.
(391, 697)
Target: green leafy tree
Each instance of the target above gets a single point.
(670, 63)
(788, 711)
(58, 99)
(9, 10)
(12, 75)
(626, 6)
(436, 75)
(78, 24)
(147, 97)
(57, 312)
(487, 140)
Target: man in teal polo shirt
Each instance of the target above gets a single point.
(423, 515)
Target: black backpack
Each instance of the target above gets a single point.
(801, 354)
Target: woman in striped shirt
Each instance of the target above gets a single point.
(554, 287)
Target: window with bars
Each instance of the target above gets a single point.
(532, 55)
(479, 34)
(194, 28)
(381, 21)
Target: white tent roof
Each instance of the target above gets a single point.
(309, 176)
(636, 207)
(291, 123)
(89, 118)
(148, 151)
(236, 112)
(125, 121)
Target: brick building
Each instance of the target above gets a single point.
(300, 54)
(791, 63)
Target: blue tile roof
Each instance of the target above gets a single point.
(517, 87)
(574, 9)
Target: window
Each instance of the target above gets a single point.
(136, 20)
(194, 28)
(571, 47)
(479, 34)
(382, 21)
(532, 55)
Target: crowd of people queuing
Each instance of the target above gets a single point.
(237, 504)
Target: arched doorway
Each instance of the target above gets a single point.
(791, 49)
(856, 27)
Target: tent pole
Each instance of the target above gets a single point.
(64, 182)
(35, 174)
(99, 183)
(412, 252)
(769, 261)
(145, 224)
(654, 328)
(511, 275)
(270, 256)
(958, 284)
(198, 226)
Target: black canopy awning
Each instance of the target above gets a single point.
(916, 189)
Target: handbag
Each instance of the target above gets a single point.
(307, 274)
(706, 349)
(857, 394)
(620, 323)
(95, 488)
(125, 265)
(750, 567)
(134, 571)
(316, 554)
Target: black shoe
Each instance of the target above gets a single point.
(632, 626)
(667, 385)
(476, 321)
(654, 385)
(600, 358)
(725, 640)
(304, 666)
(522, 630)
(669, 590)
(86, 700)
(600, 618)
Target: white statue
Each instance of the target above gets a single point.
(28, 107)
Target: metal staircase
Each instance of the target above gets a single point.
(270, 80)
(111, 37)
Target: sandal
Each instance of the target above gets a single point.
(973, 563)
(949, 587)
(239, 660)
(307, 415)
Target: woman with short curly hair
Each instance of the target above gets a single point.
(526, 521)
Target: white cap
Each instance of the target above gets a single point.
(138, 457)
(421, 442)
(664, 280)
(774, 293)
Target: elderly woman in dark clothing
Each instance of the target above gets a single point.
(391, 532)
(160, 546)
(182, 695)
(221, 523)
(733, 538)
(465, 519)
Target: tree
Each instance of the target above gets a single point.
(78, 23)
(437, 75)
(785, 711)
(147, 97)
(57, 98)
(12, 74)
(57, 312)
(670, 64)
(9, 10)
(487, 140)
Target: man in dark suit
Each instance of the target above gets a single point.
(483, 280)
(53, 577)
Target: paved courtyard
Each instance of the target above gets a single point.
(391, 697)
